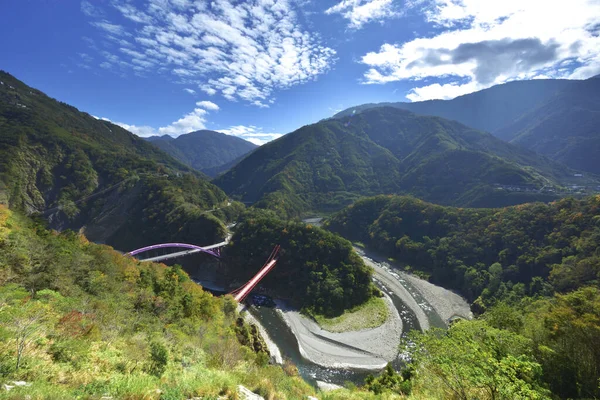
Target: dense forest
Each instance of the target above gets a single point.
(317, 270)
(325, 166)
(533, 271)
(81, 172)
(485, 254)
(79, 320)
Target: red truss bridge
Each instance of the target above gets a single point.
(241, 293)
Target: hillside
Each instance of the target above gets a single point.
(90, 323)
(566, 127)
(483, 253)
(327, 280)
(79, 172)
(207, 151)
(487, 110)
(556, 118)
(386, 150)
(532, 270)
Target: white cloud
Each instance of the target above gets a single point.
(361, 12)
(190, 122)
(195, 121)
(207, 105)
(444, 92)
(111, 29)
(190, 91)
(490, 42)
(251, 133)
(90, 10)
(242, 50)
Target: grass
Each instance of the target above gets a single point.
(371, 314)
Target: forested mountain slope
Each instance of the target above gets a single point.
(565, 127)
(486, 254)
(317, 271)
(91, 323)
(488, 109)
(533, 270)
(556, 118)
(83, 173)
(207, 151)
(386, 150)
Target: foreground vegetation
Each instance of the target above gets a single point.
(80, 320)
(533, 271)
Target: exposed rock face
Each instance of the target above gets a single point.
(246, 394)
(327, 387)
(248, 335)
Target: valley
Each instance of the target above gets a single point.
(337, 358)
(418, 217)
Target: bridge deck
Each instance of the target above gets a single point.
(185, 253)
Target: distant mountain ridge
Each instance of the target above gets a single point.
(566, 127)
(157, 138)
(556, 118)
(207, 151)
(87, 174)
(387, 150)
(488, 109)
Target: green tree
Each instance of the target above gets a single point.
(474, 360)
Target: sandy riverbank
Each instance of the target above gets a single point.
(369, 349)
(446, 303)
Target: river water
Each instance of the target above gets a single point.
(205, 272)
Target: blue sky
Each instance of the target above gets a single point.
(262, 68)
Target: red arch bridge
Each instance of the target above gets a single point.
(214, 250)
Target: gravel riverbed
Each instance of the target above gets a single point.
(371, 349)
(368, 349)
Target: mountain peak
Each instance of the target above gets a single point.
(208, 151)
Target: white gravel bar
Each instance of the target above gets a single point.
(446, 303)
(368, 349)
(395, 286)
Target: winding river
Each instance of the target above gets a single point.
(417, 303)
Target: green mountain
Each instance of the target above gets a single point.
(556, 118)
(566, 127)
(487, 110)
(207, 151)
(531, 270)
(327, 280)
(386, 150)
(79, 172)
(79, 320)
(455, 247)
